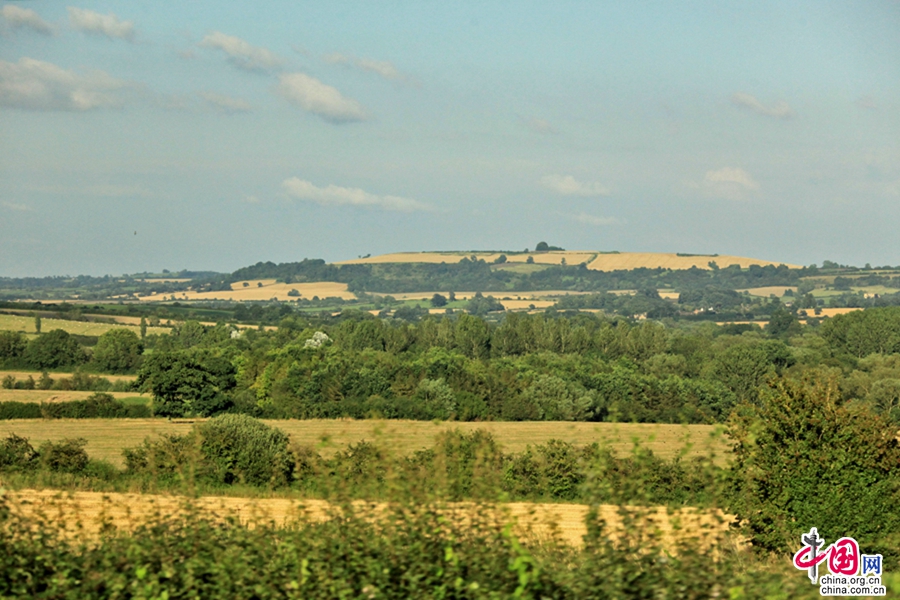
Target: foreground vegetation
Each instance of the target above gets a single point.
(409, 551)
(417, 545)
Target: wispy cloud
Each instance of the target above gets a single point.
(313, 96)
(382, 68)
(15, 207)
(37, 85)
(733, 175)
(240, 53)
(867, 102)
(16, 17)
(779, 110)
(538, 125)
(94, 23)
(567, 185)
(333, 195)
(730, 183)
(251, 199)
(595, 220)
(224, 103)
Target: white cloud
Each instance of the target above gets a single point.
(538, 125)
(733, 175)
(596, 221)
(779, 110)
(94, 23)
(730, 183)
(240, 53)
(312, 95)
(36, 85)
(334, 195)
(382, 68)
(867, 102)
(24, 18)
(14, 206)
(225, 103)
(251, 199)
(566, 185)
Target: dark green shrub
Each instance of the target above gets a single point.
(19, 410)
(361, 468)
(118, 351)
(238, 448)
(17, 454)
(560, 469)
(166, 458)
(97, 406)
(469, 465)
(804, 460)
(65, 456)
(12, 346)
(54, 350)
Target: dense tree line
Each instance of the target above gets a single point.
(526, 367)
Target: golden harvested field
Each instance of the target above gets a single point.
(499, 295)
(26, 324)
(37, 374)
(87, 512)
(269, 290)
(526, 304)
(651, 260)
(595, 260)
(108, 437)
(35, 396)
(765, 292)
(164, 279)
(831, 312)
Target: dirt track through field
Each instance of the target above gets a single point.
(87, 512)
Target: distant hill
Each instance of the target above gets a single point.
(597, 261)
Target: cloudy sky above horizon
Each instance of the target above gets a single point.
(142, 136)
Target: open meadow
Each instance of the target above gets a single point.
(25, 374)
(108, 437)
(25, 324)
(262, 290)
(32, 396)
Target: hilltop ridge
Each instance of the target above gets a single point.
(593, 259)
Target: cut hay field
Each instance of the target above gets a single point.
(595, 260)
(35, 396)
(108, 437)
(88, 512)
(36, 374)
(831, 312)
(25, 324)
(500, 295)
(267, 291)
(765, 292)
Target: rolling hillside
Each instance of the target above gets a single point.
(598, 261)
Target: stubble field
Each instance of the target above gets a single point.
(108, 437)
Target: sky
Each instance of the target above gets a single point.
(141, 136)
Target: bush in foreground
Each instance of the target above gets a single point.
(409, 551)
(803, 459)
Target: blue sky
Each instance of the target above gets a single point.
(228, 133)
